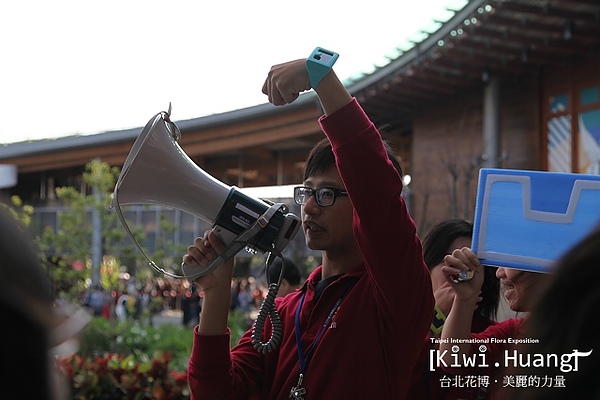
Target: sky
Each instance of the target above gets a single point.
(82, 67)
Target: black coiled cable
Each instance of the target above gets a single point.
(267, 308)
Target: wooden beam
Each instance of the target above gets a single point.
(218, 144)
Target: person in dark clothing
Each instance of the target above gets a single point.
(32, 327)
(290, 280)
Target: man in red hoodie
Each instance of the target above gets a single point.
(355, 328)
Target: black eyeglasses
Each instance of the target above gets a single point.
(325, 196)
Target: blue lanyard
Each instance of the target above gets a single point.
(302, 358)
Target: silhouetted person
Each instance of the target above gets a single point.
(290, 280)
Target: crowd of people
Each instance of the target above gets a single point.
(141, 300)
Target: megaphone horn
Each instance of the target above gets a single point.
(157, 171)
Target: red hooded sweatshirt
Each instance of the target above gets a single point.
(373, 340)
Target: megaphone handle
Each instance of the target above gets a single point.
(235, 246)
(212, 266)
(231, 250)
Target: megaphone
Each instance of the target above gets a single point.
(157, 171)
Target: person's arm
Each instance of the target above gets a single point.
(286, 81)
(458, 322)
(333, 95)
(444, 297)
(395, 273)
(216, 285)
(211, 363)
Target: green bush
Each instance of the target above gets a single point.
(102, 336)
(127, 338)
(129, 360)
(238, 323)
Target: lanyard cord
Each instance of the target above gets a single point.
(302, 358)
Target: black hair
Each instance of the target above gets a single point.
(22, 267)
(291, 272)
(321, 158)
(25, 306)
(441, 236)
(435, 248)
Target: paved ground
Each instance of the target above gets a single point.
(174, 317)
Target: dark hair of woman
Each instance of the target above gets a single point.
(435, 248)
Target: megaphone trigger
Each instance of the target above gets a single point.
(233, 247)
(193, 273)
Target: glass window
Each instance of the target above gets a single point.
(589, 142)
(187, 233)
(150, 228)
(559, 144)
(589, 95)
(559, 103)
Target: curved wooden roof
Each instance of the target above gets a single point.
(506, 38)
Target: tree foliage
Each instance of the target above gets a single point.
(68, 247)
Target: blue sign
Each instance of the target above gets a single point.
(528, 219)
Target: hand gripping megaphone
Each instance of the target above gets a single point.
(158, 172)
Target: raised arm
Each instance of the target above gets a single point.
(384, 231)
(458, 321)
(216, 285)
(286, 81)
